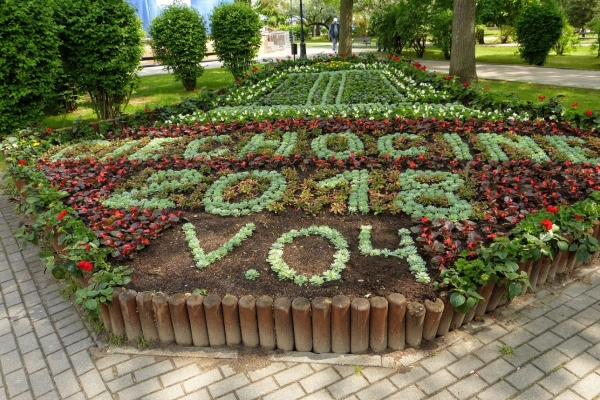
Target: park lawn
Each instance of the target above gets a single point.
(153, 91)
(587, 98)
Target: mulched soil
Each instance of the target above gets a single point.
(167, 265)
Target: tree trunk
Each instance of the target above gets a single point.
(345, 43)
(462, 61)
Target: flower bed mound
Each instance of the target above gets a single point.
(167, 265)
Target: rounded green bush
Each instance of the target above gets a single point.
(29, 61)
(538, 28)
(179, 42)
(235, 29)
(101, 50)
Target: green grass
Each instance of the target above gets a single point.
(587, 98)
(154, 91)
(581, 58)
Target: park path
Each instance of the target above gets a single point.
(586, 79)
(46, 352)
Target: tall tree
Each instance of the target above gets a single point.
(462, 62)
(345, 43)
(580, 12)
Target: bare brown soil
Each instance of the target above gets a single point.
(167, 264)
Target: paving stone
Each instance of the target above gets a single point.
(523, 354)
(402, 379)
(517, 338)
(588, 387)
(5, 326)
(373, 374)
(535, 392)
(257, 389)
(11, 362)
(582, 364)
(443, 395)
(34, 361)
(50, 343)
(290, 392)
(489, 352)
(27, 343)
(153, 370)
(465, 366)
(347, 370)
(228, 385)
(227, 371)
(411, 392)
(595, 351)
(568, 328)
(16, 382)
(379, 390)
(588, 316)
(438, 361)
(561, 313)
(202, 380)
(568, 395)
(524, 377)
(499, 391)
(467, 387)
(539, 325)
(134, 364)
(140, 390)
(201, 394)
(109, 360)
(179, 375)
(120, 383)
(41, 382)
(574, 346)
(66, 383)
(58, 362)
(491, 333)
(347, 386)
(320, 380)
(436, 381)
(322, 394)
(93, 384)
(24, 396)
(464, 347)
(172, 392)
(292, 374)
(76, 347)
(266, 371)
(550, 360)
(496, 370)
(22, 327)
(319, 366)
(580, 302)
(81, 362)
(558, 381)
(591, 334)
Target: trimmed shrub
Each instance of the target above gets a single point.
(567, 42)
(235, 29)
(538, 28)
(179, 42)
(29, 61)
(101, 50)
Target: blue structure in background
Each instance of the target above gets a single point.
(148, 9)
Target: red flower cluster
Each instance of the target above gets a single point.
(546, 223)
(448, 78)
(578, 217)
(22, 162)
(552, 209)
(466, 84)
(575, 105)
(85, 266)
(588, 113)
(62, 214)
(254, 69)
(541, 97)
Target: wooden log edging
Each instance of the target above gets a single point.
(338, 325)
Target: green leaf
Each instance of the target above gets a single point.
(58, 272)
(91, 304)
(514, 289)
(457, 299)
(562, 246)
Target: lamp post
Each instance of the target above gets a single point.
(302, 44)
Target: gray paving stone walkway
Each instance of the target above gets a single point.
(46, 352)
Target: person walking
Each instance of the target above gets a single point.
(334, 33)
